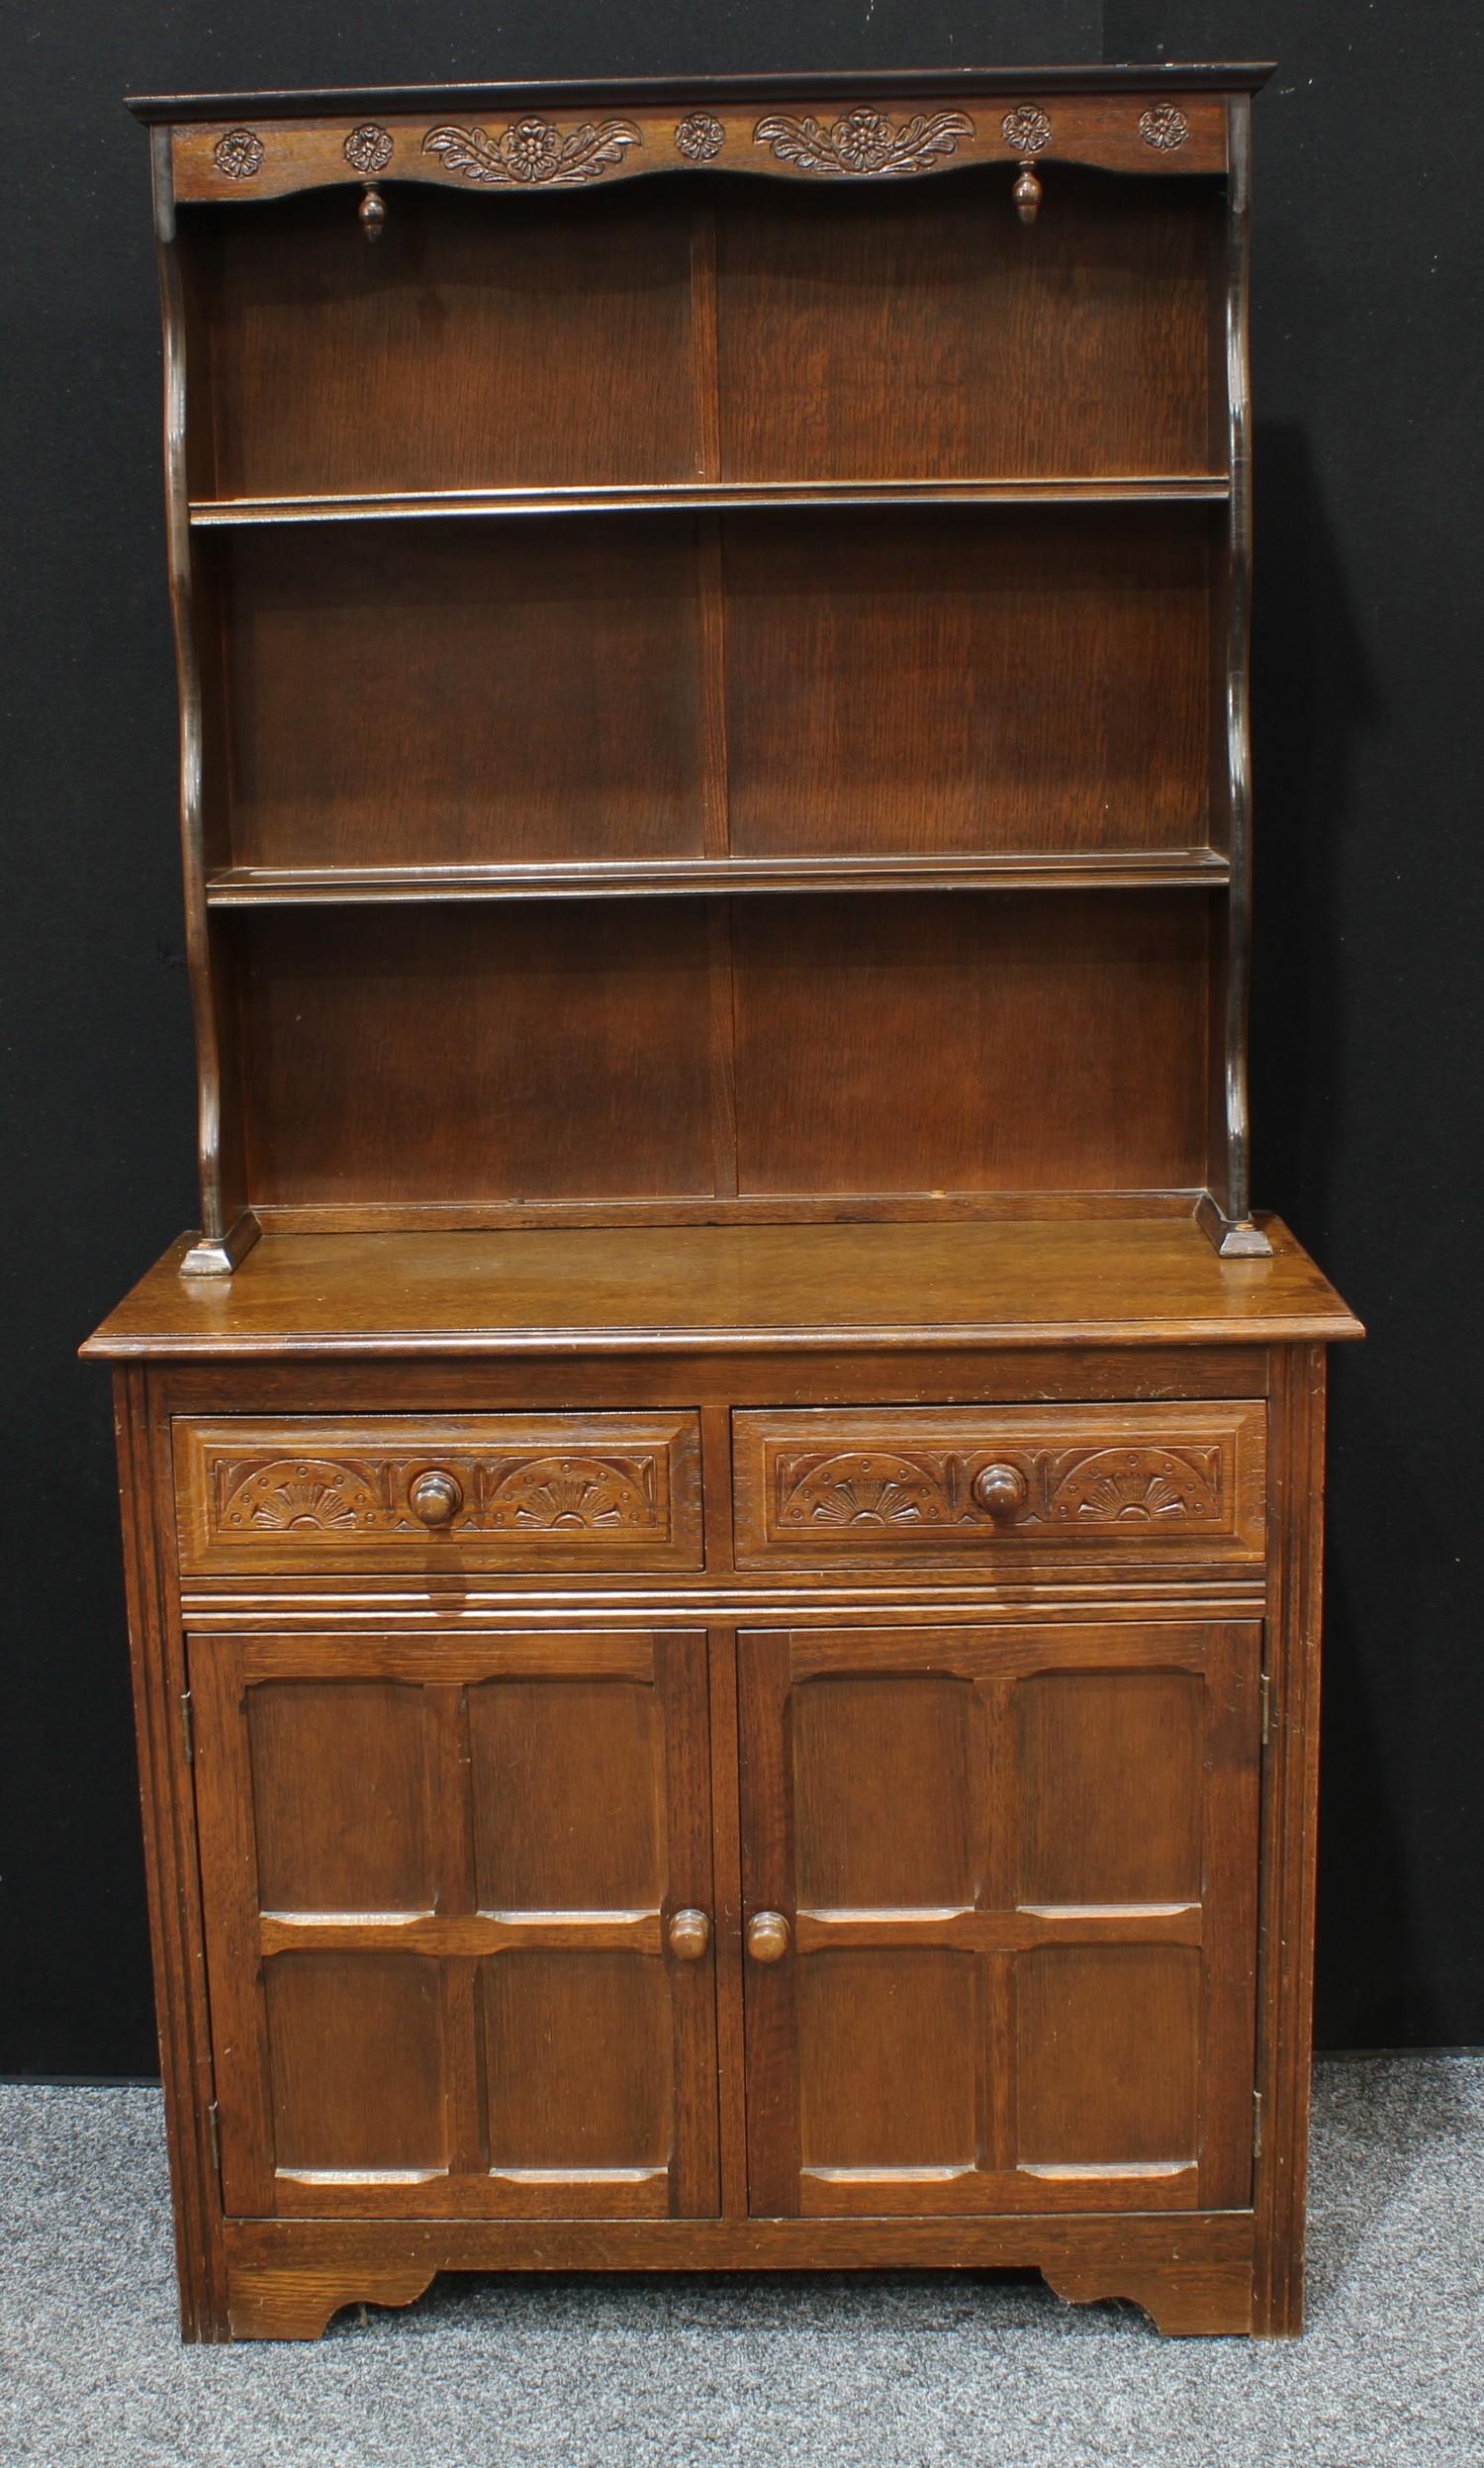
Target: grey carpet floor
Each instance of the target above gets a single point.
(886, 2371)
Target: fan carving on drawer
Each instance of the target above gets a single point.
(1117, 1485)
(307, 1492)
(574, 1491)
(852, 1489)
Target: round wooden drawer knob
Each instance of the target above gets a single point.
(768, 1936)
(1001, 1490)
(436, 1498)
(690, 1936)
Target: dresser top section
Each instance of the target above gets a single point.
(1100, 1282)
(336, 102)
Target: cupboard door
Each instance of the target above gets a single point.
(1000, 1887)
(442, 1880)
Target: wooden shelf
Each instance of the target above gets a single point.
(211, 514)
(250, 886)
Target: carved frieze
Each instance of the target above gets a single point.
(863, 143)
(533, 153)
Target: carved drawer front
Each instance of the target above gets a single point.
(830, 1487)
(472, 1492)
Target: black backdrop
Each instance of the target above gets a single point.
(1366, 1001)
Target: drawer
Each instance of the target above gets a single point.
(469, 1493)
(899, 1487)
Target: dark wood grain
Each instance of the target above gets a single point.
(469, 1054)
(959, 1045)
(442, 694)
(336, 366)
(943, 681)
(916, 329)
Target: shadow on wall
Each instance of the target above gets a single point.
(1313, 699)
(1316, 703)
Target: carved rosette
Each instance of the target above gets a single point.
(368, 150)
(238, 154)
(863, 143)
(699, 137)
(533, 153)
(1164, 127)
(1026, 130)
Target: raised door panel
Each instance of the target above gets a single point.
(1018, 1868)
(438, 1876)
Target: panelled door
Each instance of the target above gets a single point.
(457, 1901)
(1001, 1895)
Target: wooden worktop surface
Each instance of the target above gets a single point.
(1108, 1282)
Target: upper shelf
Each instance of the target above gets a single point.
(678, 496)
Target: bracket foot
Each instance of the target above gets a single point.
(1184, 2300)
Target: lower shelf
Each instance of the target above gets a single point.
(285, 2280)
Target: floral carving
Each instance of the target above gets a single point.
(238, 153)
(301, 1491)
(533, 153)
(699, 136)
(1026, 130)
(1164, 127)
(368, 148)
(864, 143)
(1140, 1485)
(852, 1489)
(584, 1492)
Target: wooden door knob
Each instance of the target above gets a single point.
(436, 1498)
(768, 1936)
(689, 1935)
(1001, 1490)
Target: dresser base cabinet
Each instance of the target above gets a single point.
(548, 1875)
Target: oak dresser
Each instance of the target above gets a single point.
(722, 1514)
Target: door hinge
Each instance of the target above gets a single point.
(187, 1727)
(1264, 1702)
(214, 2128)
(1256, 2124)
